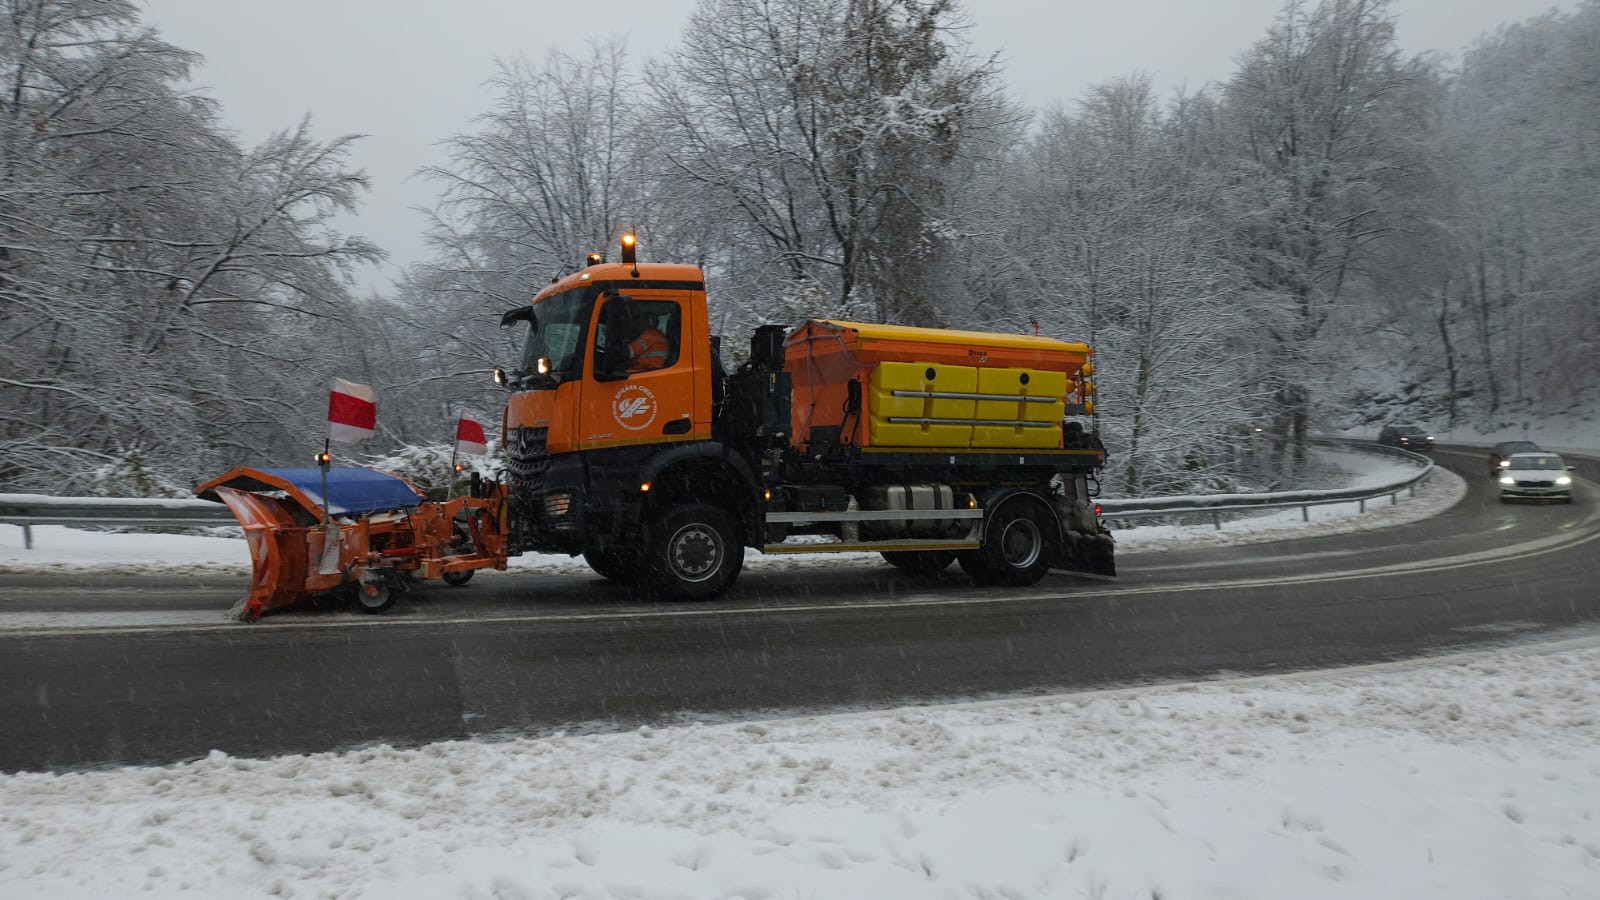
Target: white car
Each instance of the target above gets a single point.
(1536, 476)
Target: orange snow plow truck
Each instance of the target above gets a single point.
(626, 441)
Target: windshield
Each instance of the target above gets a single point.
(1539, 461)
(556, 333)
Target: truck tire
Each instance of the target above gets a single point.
(920, 562)
(692, 552)
(1016, 546)
(377, 600)
(614, 564)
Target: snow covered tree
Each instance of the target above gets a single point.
(1320, 124)
(826, 129)
(142, 254)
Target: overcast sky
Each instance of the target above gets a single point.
(409, 73)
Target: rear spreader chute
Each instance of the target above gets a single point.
(371, 534)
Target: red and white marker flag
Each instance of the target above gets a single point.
(352, 412)
(470, 438)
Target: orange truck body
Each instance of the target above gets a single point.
(833, 429)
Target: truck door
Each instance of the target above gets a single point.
(642, 390)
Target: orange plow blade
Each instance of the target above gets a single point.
(381, 536)
(277, 546)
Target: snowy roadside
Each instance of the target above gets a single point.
(59, 549)
(1477, 778)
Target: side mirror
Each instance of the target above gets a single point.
(1572, 468)
(520, 314)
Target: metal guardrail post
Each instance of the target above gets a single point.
(27, 536)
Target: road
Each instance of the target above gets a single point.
(520, 654)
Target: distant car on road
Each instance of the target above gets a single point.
(1536, 476)
(1500, 456)
(1406, 437)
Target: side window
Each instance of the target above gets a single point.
(635, 336)
(661, 317)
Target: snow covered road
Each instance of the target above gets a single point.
(1471, 779)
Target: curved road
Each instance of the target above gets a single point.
(519, 652)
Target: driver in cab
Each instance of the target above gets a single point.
(648, 349)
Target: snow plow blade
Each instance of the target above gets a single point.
(371, 537)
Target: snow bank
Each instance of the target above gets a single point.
(1475, 779)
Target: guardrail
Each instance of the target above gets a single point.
(1215, 505)
(28, 510)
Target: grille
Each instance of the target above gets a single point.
(1521, 483)
(527, 460)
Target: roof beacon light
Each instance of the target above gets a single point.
(629, 242)
(595, 259)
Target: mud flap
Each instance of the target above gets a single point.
(1085, 545)
(1090, 553)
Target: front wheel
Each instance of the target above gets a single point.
(457, 579)
(692, 552)
(374, 597)
(1016, 547)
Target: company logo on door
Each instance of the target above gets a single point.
(634, 407)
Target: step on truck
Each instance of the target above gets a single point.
(626, 440)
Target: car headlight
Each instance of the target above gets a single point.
(1564, 479)
(1505, 463)
(1507, 479)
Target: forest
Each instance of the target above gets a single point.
(1338, 234)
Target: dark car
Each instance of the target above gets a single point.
(1406, 437)
(1500, 456)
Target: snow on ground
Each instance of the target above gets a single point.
(62, 549)
(1474, 779)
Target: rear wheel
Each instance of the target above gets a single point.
(1016, 545)
(693, 552)
(920, 562)
(457, 579)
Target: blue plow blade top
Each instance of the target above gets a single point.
(352, 491)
